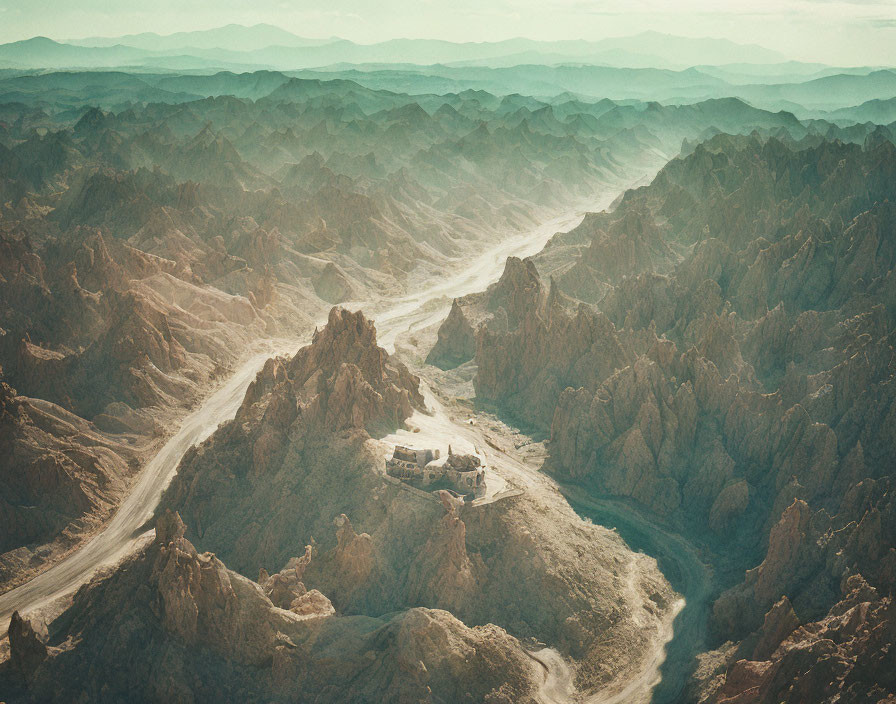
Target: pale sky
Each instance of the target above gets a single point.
(844, 32)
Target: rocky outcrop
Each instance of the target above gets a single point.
(808, 554)
(198, 631)
(518, 291)
(304, 417)
(627, 246)
(334, 286)
(456, 341)
(777, 625)
(296, 467)
(61, 476)
(342, 381)
(289, 472)
(525, 370)
(844, 656)
(444, 574)
(28, 647)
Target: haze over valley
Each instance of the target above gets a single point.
(384, 369)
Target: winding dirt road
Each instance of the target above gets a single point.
(122, 534)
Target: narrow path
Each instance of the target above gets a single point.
(558, 687)
(120, 535)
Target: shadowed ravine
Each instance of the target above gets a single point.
(679, 563)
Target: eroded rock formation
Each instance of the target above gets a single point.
(59, 473)
(844, 656)
(737, 377)
(190, 629)
(456, 341)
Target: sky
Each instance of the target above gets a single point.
(840, 32)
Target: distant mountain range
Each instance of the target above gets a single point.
(844, 99)
(232, 36)
(804, 97)
(271, 47)
(647, 66)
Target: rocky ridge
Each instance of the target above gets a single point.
(296, 473)
(736, 376)
(194, 630)
(280, 455)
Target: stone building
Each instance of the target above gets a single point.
(465, 473)
(406, 463)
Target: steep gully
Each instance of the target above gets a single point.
(665, 674)
(678, 560)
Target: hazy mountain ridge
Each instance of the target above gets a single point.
(628, 67)
(518, 73)
(233, 36)
(651, 46)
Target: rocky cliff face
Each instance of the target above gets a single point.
(526, 369)
(513, 319)
(739, 375)
(809, 552)
(193, 630)
(844, 656)
(456, 341)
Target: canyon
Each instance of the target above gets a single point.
(664, 331)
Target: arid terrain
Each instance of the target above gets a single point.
(736, 387)
(259, 327)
